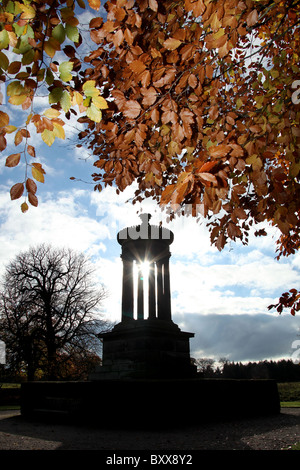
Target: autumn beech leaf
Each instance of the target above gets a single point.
(72, 32)
(94, 113)
(150, 95)
(153, 5)
(33, 199)
(51, 113)
(13, 160)
(118, 38)
(208, 177)
(100, 102)
(252, 18)
(219, 151)
(4, 119)
(58, 130)
(51, 47)
(48, 137)
(171, 44)
(174, 98)
(65, 101)
(24, 207)
(65, 69)
(95, 4)
(137, 66)
(132, 109)
(207, 166)
(31, 186)
(89, 89)
(16, 191)
(38, 172)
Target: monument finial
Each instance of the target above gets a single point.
(145, 218)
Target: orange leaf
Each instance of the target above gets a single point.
(206, 167)
(137, 66)
(153, 5)
(219, 151)
(171, 44)
(209, 178)
(13, 160)
(132, 109)
(31, 150)
(16, 191)
(118, 38)
(95, 4)
(252, 18)
(150, 95)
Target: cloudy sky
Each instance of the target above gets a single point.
(221, 297)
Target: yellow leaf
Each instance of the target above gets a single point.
(100, 102)
(38, 172)
(51, 113)
(48, 137)
(215, 22)
(65, 101)
(171, 44)
(90, 89)
(9, 129)
(58, 130)
(94, 113)
(17, 99)
(77, 98)
(28, 12)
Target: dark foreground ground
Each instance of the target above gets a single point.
(267, 433)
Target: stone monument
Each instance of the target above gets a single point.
(146, 343)
(146, 378)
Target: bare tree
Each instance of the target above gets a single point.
(50, 309)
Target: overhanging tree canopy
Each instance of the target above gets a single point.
(200, 103)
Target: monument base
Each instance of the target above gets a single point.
(145, 349)
(150, 403)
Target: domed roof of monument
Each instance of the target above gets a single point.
(145, 231)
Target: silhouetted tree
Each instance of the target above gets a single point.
(49, 310)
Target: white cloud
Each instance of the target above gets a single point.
(60, 221)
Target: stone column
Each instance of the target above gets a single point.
(127, 289)
(163, 289)
(160, 289)
(140, 295)
(166, 309)
(151, 291)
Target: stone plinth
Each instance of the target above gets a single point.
(145, 349)
(150, 403)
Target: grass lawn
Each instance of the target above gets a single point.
(290, 404)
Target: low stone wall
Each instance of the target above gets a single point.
(150, 402)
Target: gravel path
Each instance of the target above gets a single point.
(267, 433)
